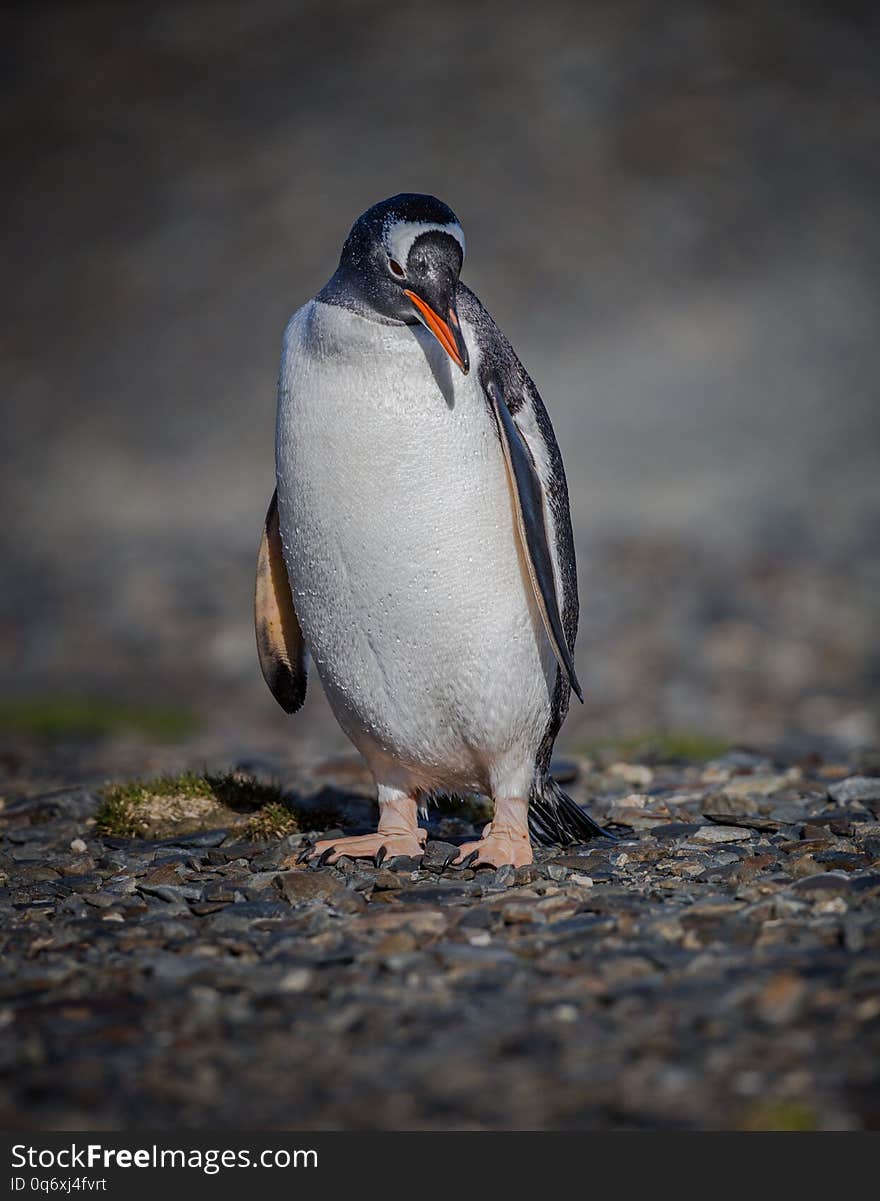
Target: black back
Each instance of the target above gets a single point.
(499, 361)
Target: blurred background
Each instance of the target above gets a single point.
(671, 210)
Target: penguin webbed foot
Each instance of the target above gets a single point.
(505, 839)
(496, 850)
(379, 846)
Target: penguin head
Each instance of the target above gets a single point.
(402, 261)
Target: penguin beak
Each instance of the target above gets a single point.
(447, 332)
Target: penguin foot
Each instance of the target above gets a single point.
(505, 839)
(378, 846)
(495, 850)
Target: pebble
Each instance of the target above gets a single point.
(715, 834)
(505, 876)
(307, 886)
(640, 812)
(637, 774)
(296, 980)
(727, 804)
(438, 855)
(758, 785)
(386, 881)
(822, 884)
(780, 999)
(856, 788)
(554, 871)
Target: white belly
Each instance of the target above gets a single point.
(399, 539)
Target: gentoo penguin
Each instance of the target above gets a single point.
(419, 545)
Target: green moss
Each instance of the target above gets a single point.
(187, 784)
(118, 817)
(192, 801)
(187, 802)
(780, 1115)
(59, 717)
(273, 821)
(692, 746)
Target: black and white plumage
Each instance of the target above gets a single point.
(423, 517)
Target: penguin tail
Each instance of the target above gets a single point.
(554, 818)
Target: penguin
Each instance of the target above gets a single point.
(418, 548)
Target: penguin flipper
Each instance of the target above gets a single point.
(280, 643)
(529, 501)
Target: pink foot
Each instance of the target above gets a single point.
(495, 851)
(398, 834)
(505, 839)
(378, 846)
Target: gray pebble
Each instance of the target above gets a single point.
(856, 788)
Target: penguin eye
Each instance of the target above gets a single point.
(396, 269)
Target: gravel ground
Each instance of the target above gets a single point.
(717, 966)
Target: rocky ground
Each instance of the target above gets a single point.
(716, 966)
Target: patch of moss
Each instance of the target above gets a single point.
(690, 746)
(693, 746)
(273, 821)
(58, 717)
(118, 816)
(780, 1115)
(194, 801)
(182, 804)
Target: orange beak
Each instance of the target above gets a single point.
(447, 333)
